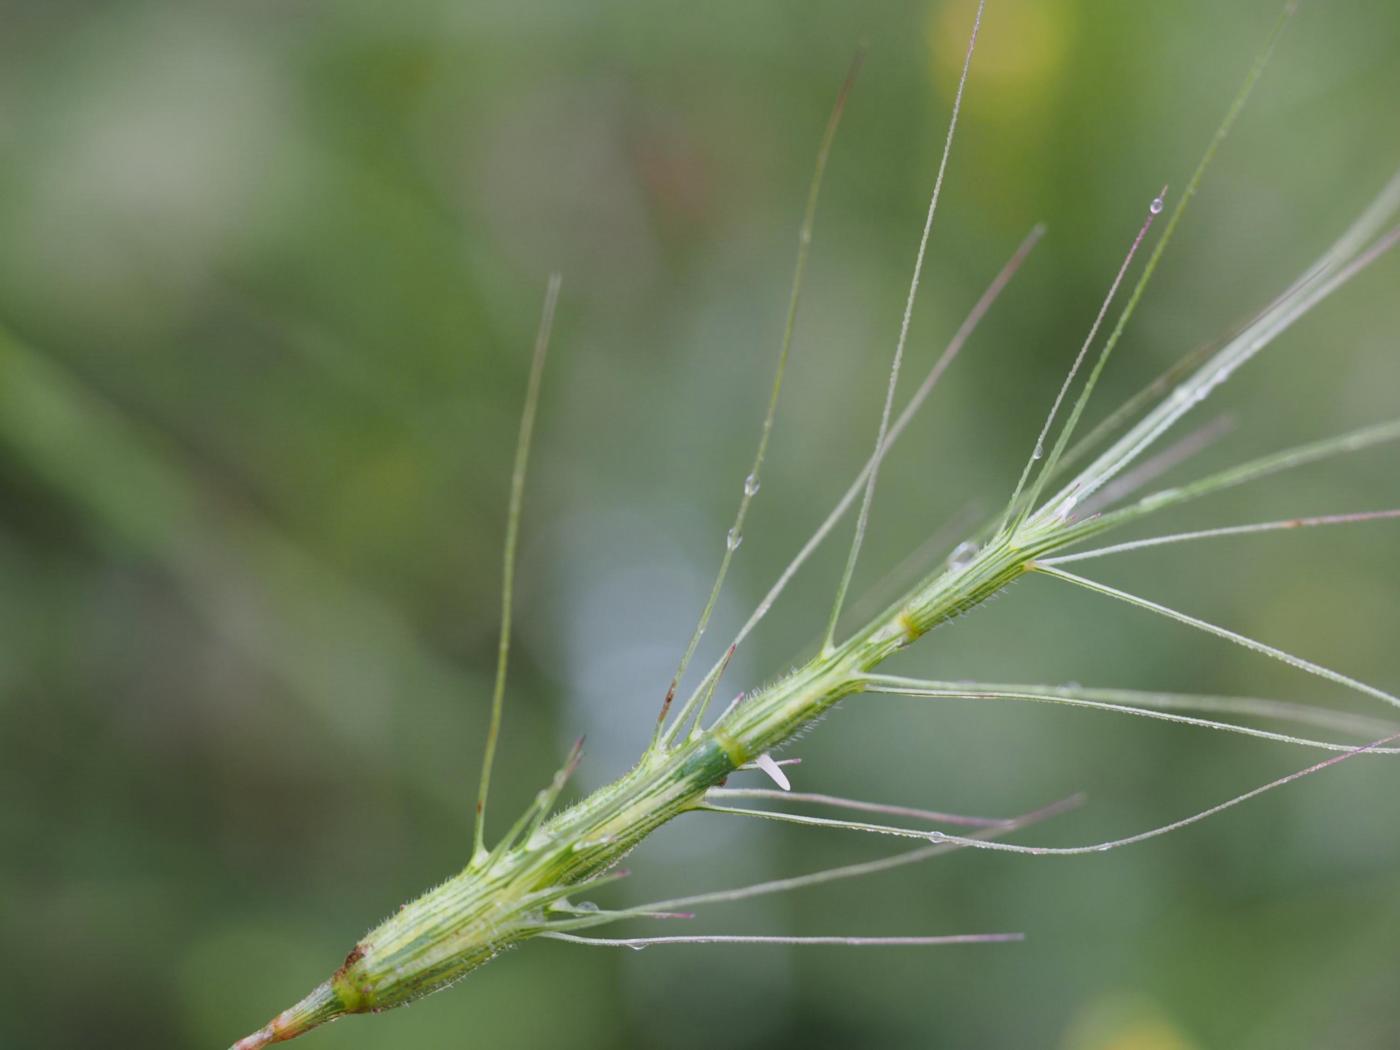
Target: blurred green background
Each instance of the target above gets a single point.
(269, 274)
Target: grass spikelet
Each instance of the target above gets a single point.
(532, 882)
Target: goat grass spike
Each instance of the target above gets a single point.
(523, 886)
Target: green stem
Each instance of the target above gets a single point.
(451, 930)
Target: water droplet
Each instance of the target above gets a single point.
(1103, 849)
(751, 485)
(636, 947)
(1156, 206)
(733, 539)
(1039, 450)
(937, 836)
(962, 555)
(586, 906)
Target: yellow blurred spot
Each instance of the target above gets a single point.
(1125, 1022)
(1020, 51)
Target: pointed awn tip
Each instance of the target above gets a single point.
(517, 494)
